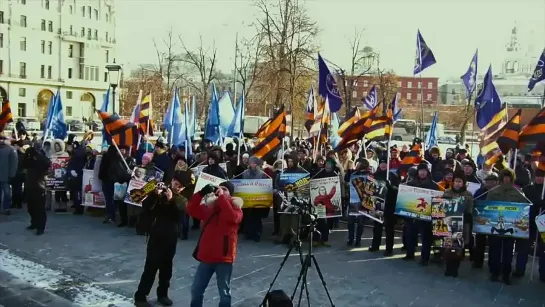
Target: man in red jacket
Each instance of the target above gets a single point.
(217, 246)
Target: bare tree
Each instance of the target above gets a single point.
(248, 69)
(203, 63)
(387, 84)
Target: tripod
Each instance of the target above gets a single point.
(305, 264)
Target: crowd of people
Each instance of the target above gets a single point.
(174, 208)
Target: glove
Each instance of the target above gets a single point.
(207, 189)
(73, 173)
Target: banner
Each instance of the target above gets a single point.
(447, 217)
(325, 194)
(540, 223)
(89, 197)
(198, 169)
(367, 197)
(57, 171)
(205, 179)
(143, 181)
(292, 185)
(472, 187)
(502, 218)
(256, 193)
(415, 202)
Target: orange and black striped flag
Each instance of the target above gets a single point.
(311, 103)
(534, 132)
(509, 138)
(351, 118)
(357, 130)
(271, 135)
(145, 118)
(6, 116)
(123, 132)
(260, 133)
(492, 131)
(378, 129)
(413, 157)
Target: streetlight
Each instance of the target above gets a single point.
(114, 72)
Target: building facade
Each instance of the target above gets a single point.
(55, 45)
(411, 89)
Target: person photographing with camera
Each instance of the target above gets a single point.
(216, 249)
(166, 206)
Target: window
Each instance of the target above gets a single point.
(68, 111)
(43, 47)
(23, 44)
(88, 33)
(69, 73)
(398, 83)
(82, 32)
(418, 96)
(428, 96)
(409, 95)
(22, 69)
(354, 94)
(107, 17)
(50, 47)
(105, 76)
(365, 83)
(23, 2)
(23, 21)
(47, 4)
(107, 36)
(22, 92)
(430, 85)
(409, 84)
(69, 94)
(42, 71)
(355, 83)
(49, 70)
(70, 51)
(365, 94)
(50, 26)
(1, 16)
(89, 12)
(43, 24)
(96, 35)
(83, 11)
(107, 56)
(87, 73)
(1, 40)
(71, 10)
(1, 67)
(96, 14)
(71, 29)
(419, 84)
(21, 109)
(92, 73)
(97, 73)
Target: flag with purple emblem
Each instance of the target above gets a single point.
(327, 86)
(370, 101)
(539, 72)
(424, 55)
(470, 77)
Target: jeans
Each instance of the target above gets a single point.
(423, 228)
(352, 221)
(202, 278)
(522, 247)
(185, 226)
(108, 190)
(6, 196)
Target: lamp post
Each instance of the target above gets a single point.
(114, 71)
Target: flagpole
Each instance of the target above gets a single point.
(139, 103)
(422, 108)
(235, 72)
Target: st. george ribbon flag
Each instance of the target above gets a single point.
(327, 86)
(424, 55)
(539, 72)
(470, 77)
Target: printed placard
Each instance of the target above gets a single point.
(540, 223)
(325, 194)
(197, 170)
(256, 193)
(290, 186)
(138, 188)
(413, 202)
(499, 218)
(56, 174)
(367, 197)
(448, 221)
(90, 197)
(205, 179)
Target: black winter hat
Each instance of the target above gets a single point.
(460, 175)
(184, 178)
(422, 166)
(229, 186)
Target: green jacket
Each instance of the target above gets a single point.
(506, 192)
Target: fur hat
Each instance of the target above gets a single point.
(460, 175)
(422, 166)
(507, 172)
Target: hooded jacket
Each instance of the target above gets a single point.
(219, 238)
(215, 169)
(10, 160)
(427, 183)
(58, 153)
(37, 165)
(506, 192)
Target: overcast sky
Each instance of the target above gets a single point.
(453, 29)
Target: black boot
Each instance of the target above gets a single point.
(165, 301)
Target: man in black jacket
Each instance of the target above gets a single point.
(112, 170)
(37, 165)
(356, 220)
(477, 254)
(522, 247)
(214, 167)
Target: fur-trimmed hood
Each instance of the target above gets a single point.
(237, 201)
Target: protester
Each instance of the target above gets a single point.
(356, 219)
(323, 225)
(8, 155)
(36, 164)
(253, 225)
(217, 245)
(490, 182)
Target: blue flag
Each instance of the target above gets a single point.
(236, 129)
(488, 102)
(327, 86)
(173, 120)
(187, 134)
(470, 77)
(50, 108)
(193, 116)
(424, 55)
(212, 132)
(431, 137)
(370, 101)
(333, 133)
(539, 72)
(395, 108)
(58, 126)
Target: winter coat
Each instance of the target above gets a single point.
(165, 215)
(76, 164)
(112, 169)
(37, 165)
(437, 168)
(522, 176)
(58, 149)
(533, 192)
(506, 192)
(392, 185)
(9, 160)
(253, 174)
(424, 184)
(218, 243)
(163, 162)
(468, 209)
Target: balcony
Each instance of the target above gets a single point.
(72, 37)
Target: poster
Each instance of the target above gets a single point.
(89, 196)
(325, 194)
(56, 173)
(472, 187)
(367, 197)
(540, 223)
(97, 183)
(293, 188)
(138, 187)
(501, 218)
(447, 217)
(413, 202)
(256, 193)
(205, 179)
(198, 169)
